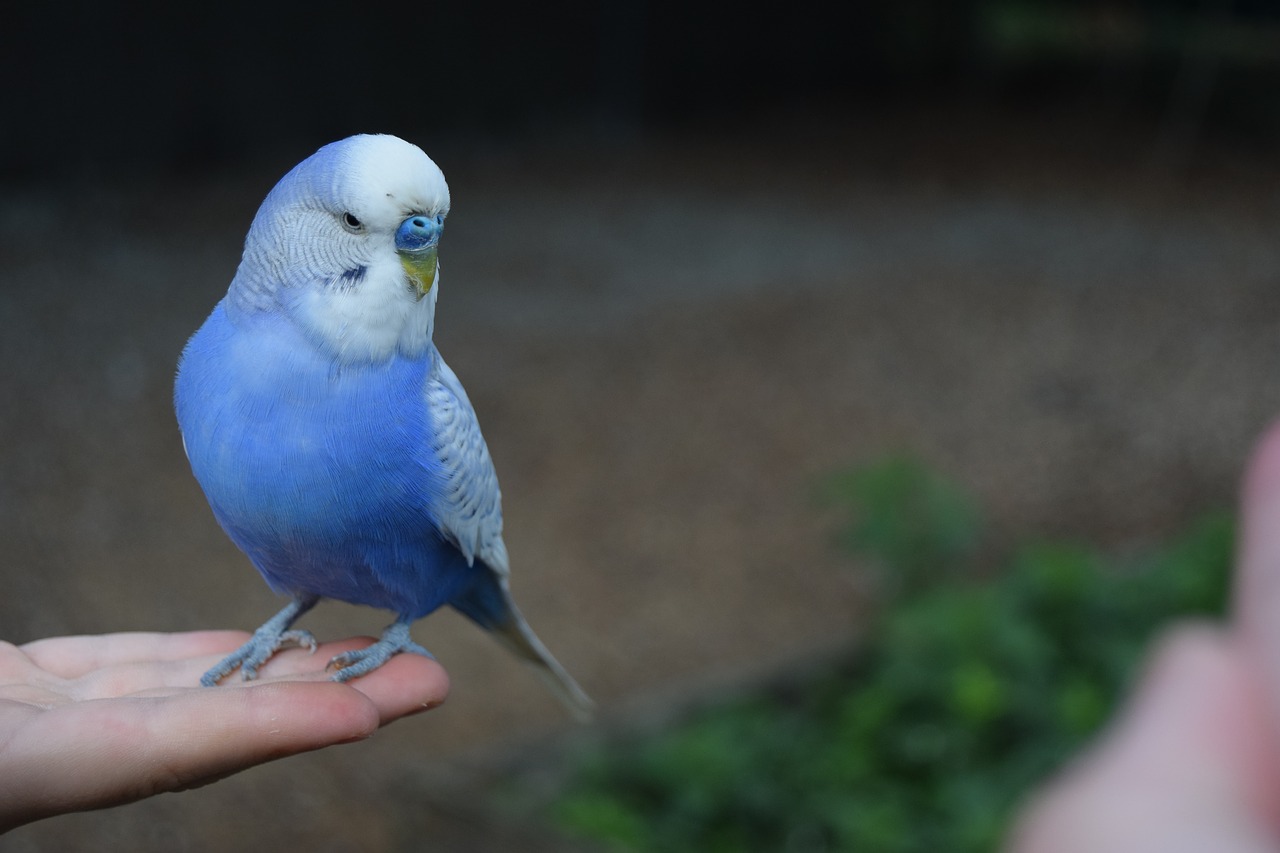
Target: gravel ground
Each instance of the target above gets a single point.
(669, 341)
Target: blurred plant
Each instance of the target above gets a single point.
(963, 695)
(913, 524)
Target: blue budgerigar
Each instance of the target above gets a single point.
(335, 446)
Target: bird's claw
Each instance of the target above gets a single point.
(250, 657)
(301, 639)
(358, 662)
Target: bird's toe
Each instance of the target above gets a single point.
(358, 662)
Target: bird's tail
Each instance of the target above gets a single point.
(488, 603)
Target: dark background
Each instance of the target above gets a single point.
(104, 89)
(699, 258)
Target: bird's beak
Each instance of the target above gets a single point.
(417, 240)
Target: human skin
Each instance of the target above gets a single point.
(96, 721)
(1192, 762)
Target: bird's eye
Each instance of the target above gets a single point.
(351, 223)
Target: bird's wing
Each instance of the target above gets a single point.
(469, 509)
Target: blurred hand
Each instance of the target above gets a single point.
(88, 722)
(1193, 762)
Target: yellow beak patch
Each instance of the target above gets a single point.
(421, 269)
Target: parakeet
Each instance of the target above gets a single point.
(335, 446)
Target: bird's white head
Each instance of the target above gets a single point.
(345, 246)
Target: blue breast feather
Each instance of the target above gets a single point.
(321, 473)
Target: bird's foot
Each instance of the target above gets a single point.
(253, 654)
(358, 662)
(273, 636)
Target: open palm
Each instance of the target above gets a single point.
(88, 722)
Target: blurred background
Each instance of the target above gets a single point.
(700, 259)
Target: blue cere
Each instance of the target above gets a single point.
(419, 232)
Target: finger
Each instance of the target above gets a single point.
(72, 657)
(1186, 766)
(98, 754)
(291, 663)
(406, 684)
(165, 676)
(1257, 584)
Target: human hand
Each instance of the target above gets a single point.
(89, 722)
(1193, 762)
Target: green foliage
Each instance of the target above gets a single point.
(914, 524)
(963, 696)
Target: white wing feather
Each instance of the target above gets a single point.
(470, 516)
(470, 510)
